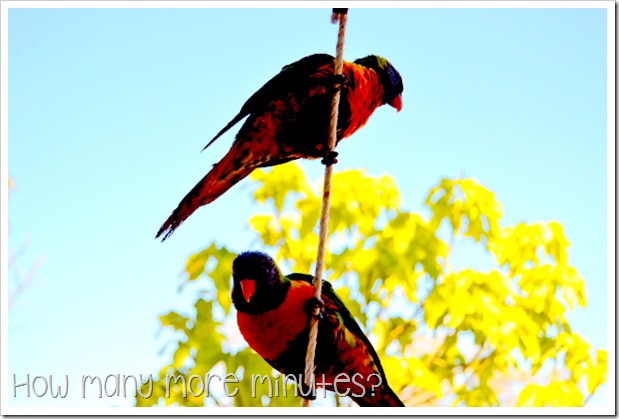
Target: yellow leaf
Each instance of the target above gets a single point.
(195, 263)
(597, 374)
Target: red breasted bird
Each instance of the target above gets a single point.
(273, 316)
(288, 119)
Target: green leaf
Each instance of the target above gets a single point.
(174, 320)
(197, 262)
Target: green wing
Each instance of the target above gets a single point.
(291, 77)
(330, 298)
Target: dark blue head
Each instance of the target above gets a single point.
(389, 78)
(258, 285)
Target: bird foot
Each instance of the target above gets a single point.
(315, 307)
(329, 158)
(340, 81)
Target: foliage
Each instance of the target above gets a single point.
(490, 335)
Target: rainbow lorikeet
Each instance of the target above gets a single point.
(273, 315)
(288, 119)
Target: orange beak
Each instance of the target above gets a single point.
(397, 102)
(248, 288)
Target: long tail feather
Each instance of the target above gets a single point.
(235, 166)
(226, 128)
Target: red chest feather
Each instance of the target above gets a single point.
(363, 98)
(269, 333)
(364, 94)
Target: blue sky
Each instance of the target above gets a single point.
(109, 108)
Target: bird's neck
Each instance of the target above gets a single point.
(362, 98)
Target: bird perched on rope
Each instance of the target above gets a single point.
(273, 313)
(288, 119)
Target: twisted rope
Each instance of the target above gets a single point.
(341, 16)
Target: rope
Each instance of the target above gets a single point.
(341, 15)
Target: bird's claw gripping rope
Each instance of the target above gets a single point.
(330, 157)
(315, 307)
(340, 81)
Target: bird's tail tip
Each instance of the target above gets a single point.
(167, 228)
(392, 399)
(165, 232)
(165, 236)
(386, 397)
